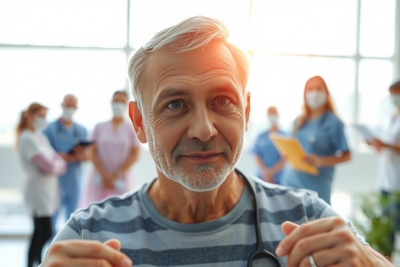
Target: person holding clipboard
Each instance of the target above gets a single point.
(388, 147)
(65, 135)
(269, 161)
(321, 134)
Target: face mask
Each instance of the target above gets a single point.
(395, 100)
(118, 109)
(315, 99)
(68, 113)
(39, 122)
(273, 120)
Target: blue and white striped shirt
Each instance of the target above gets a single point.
(150, 239)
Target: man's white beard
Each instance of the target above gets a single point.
(205, 176)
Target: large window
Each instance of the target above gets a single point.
(89, 23)
(350, 43)
(50, 48)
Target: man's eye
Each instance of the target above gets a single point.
(175, 105)
(223, 101)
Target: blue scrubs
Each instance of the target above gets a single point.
(266, 150)
(323, 137)
(63, 139)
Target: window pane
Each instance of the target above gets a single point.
(46, 76)
(150, 16)
(377, 28)
(280, 81)
(375, 77)
(72, 23)
(307, 27)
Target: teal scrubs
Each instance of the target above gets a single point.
(63, 139)
(266, 150)
(324, 137)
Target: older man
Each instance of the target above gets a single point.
(63, 135)
(192, 108)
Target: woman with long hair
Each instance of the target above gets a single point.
(321, 133)
(42, 166)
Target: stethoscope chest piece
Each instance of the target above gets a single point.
(265, 257)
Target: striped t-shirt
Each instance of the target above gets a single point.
(150, 239)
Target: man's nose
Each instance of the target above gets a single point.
(202, 125)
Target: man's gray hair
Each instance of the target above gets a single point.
(190, 34)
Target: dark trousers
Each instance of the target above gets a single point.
(41, 234)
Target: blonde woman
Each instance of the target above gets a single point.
(42, 166)
(321, 133)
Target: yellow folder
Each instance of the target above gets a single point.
(294, 153)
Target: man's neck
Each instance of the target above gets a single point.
(178, 204)
(66, 123)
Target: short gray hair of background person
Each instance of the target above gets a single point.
(190, 34)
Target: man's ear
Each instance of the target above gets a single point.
(137, 121)
(247, 110)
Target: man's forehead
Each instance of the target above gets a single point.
(70, 100)
(168, 66)
(211, 57)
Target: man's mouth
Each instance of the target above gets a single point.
(202, 155)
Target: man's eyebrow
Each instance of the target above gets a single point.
(227, 88)
(170, 92)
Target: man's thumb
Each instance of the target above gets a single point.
(113, 243)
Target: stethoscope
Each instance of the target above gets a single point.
(313, 138)
(261, 252)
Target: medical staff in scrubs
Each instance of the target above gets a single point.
(115, 150)
(268, 160)
(63, 134)
(42, 167)
(321, 133)
(388, 148)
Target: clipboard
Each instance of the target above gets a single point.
(294, 152)
(364, 131)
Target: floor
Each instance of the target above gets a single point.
(13, 252)
(15, 230)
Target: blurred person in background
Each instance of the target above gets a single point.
(388, 147)
(268, 160)
(321, 133)
(42, 166)
(63, 135)
(115, 150)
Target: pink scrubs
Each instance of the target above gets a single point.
(114, 147)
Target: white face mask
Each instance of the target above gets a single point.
(315, 99)
(395, 100)
(118, 109)
(273, 120)
(68, 113)
(39, 123)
